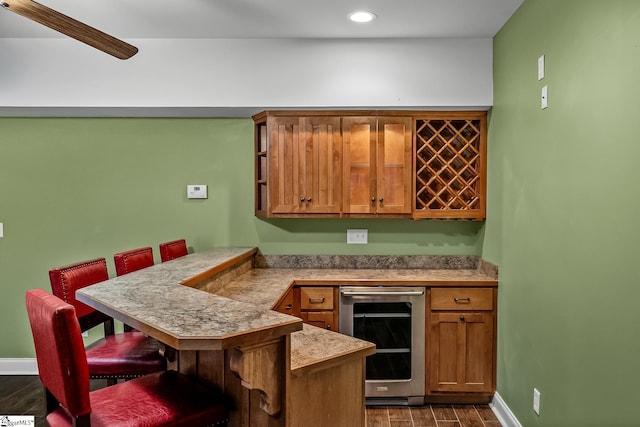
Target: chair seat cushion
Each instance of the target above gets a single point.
(161, 399)
(128, 354)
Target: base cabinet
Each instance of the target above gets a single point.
(318, 305)
(460, 336)
(461, 340)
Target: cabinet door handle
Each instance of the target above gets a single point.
(302, 199)
(329, 327)
(318, 300)
(288, 307)
(462, 300)
(381, 199)
(308, 199)
(462, 318)
(373, 199)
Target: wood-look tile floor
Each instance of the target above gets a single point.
(431, 416)
(24, 395)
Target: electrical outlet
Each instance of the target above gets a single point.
(357, 236)
(544, 95)
(536, 401)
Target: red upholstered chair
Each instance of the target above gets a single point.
(116, 356)
(162, 399)
(133, 260)
(172, 250)
(130, 261)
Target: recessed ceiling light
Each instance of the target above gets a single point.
(362, 16)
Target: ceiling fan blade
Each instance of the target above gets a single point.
(71, 27)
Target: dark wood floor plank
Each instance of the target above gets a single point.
(468, 416)
(444, 413)
(24, 395)
(486, 413)
(377, 417)
(423, 417)
(399, 413)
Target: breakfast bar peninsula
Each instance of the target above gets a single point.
(275, 371)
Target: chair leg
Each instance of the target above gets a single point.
(82, 421)
(108, 327)
(51, 402)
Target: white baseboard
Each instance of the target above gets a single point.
(18, 367)
(502, 411)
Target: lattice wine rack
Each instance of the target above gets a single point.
(450, 168)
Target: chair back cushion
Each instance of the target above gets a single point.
(65, 281)
(135, 259)
(62, 363)
(172, 250)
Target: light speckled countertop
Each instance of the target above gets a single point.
(313, 346)
(155, 301)
(263, 286)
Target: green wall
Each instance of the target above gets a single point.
(563, 211)
(76, 188)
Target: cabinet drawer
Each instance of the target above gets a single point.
(316, 298)
(461, 299)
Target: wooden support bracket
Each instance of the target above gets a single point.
(261, 367)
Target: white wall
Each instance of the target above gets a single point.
(233, 77)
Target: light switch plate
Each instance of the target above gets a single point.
(1, 229)
(196, 191)
(541, 67)
(536, 401)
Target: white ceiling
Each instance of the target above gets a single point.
(176, 19)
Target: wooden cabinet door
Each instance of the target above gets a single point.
(460, 352)
(284, 158)
(321, 319)
(287, 305)
(377, 165)
(305, 165)
(394, 168)
(320, 169)
(359, 136)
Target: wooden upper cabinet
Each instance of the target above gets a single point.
(305, 165)
(377, 165)
(451, 165)
(411, 164)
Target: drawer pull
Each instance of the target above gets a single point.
(319, 300)
(462, 318)
(288, 307)
(462, 300)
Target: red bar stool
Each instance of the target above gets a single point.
(133, 260)
(130, 261)
(160, 399)
(116, 356)
(172, 250)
